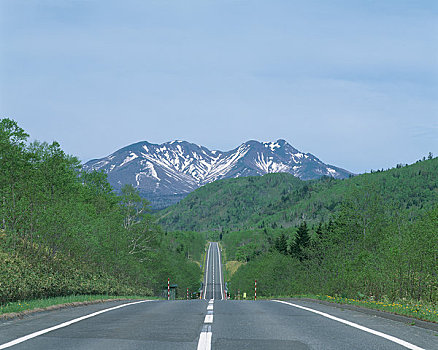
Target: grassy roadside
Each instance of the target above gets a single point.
(410, 308)
(231, 267)
(223, 261)
(27, 306)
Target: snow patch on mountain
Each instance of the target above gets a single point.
(176, 168)
(129, 158)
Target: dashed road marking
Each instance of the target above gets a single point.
(208, 318)
(204, 342)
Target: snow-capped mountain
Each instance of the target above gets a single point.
(166, 173)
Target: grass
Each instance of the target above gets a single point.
(232, 266)
(27, 305)
(421, 310)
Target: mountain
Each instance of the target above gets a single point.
(166, 173)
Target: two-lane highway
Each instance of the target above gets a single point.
(213, 282)
(214, 323)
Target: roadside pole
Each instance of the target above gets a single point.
(255, 290)
(168, 289)
(187, 294)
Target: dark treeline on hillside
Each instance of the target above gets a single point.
(64, 231)
(367, 250)
(282, 200)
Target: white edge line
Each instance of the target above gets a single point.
(220, 271)
(212, 275)
(206, 270)
(355, 325)
(65, 324)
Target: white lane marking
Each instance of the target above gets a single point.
(210, 307)
(211, 301)
(206, 271)
(208, 319)
(220, 270)
(212, 263)
(355, 325)
(204, 342)
(65, 324)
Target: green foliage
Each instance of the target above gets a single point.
(302, 239)
(281, 244)
(374, 252)
(276, 274)
(373, 235)
(40, 275)
(64, 231)
(245, 245)
(282, 200)
(233, 203)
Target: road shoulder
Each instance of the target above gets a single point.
(22, 314)
(390, 316)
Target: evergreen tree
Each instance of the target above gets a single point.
(302, 240)
(281, 244)
(319, 231)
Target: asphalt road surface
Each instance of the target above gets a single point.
(211, 323)
(213, 282)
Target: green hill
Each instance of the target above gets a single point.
(371, 237)
(282, 200)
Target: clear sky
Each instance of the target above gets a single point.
(355, 82)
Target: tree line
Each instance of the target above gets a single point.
(64, 231)
(276, 201)
(370, 248)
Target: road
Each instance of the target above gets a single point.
(213, 278)
(211, 323)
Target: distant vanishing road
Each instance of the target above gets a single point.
(211, 323)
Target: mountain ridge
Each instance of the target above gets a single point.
(165, 173)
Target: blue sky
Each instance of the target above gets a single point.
(353, 82)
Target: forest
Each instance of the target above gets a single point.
(281, 200)
(374, 235)
(64, 231)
